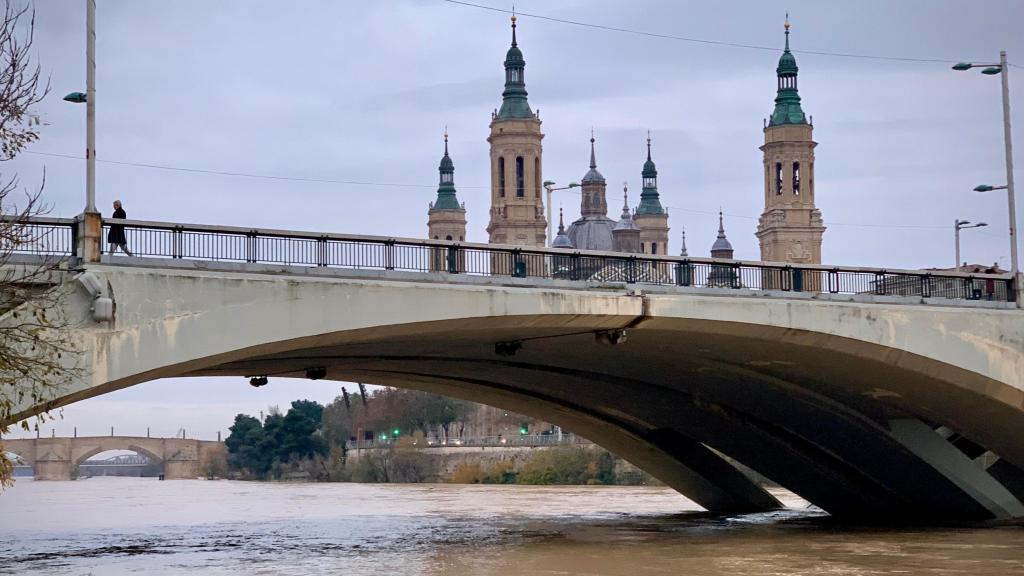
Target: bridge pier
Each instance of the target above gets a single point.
(965, 473)
(52, 470)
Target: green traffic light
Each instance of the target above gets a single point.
(396, 432)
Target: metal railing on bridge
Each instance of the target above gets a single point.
(308, 249)
(500, 441)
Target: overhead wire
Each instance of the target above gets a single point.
(562, 21)
(409, 185)
(665, 36)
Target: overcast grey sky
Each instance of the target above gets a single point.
(361, 91)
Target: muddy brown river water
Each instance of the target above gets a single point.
(143, 526)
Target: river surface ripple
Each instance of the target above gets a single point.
(140, 525)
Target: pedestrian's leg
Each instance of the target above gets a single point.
(112, 248)
(125, 248)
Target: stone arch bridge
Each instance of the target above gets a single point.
(59, 458)
(878, 394)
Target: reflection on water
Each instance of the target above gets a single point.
(140, 525)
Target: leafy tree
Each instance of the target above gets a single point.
(244, 443)
(261, 448)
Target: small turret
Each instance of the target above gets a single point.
(722, 248)
(446, 218)
(626, 234)
(650, 200)
(787, 99)
(513, 99)
(651, 217)
(562, 239)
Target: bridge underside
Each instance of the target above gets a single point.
(853, 435)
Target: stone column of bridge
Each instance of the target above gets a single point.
(50, 458)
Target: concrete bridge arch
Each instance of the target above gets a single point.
(863, 407)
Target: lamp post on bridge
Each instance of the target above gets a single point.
(959, 225)
(549, 186)
(1003, 69)
(91, 223)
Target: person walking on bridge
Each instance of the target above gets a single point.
(116, 236)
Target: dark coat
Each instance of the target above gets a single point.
(116, 234)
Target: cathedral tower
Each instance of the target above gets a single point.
(651, 217)
(446, 218)
(517, 207)
(790, 228)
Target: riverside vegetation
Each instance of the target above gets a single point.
(308, 442)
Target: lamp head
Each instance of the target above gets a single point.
(992, 70)
(76, 97)
(574, 184)
(983, 188)
(961, 66)
(548, 184)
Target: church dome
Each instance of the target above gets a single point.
(787, 63)
(721, 243)
(592, 233)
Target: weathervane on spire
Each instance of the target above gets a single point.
(513, 24)
(445, 139)
(786, 25)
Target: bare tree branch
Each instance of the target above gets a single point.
(36, 349)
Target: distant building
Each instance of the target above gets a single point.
(446, 218)
(790, 228)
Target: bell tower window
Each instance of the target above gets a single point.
(796, 178)
(778, 178)
(501, 177)
(536, 177)
(520, 178)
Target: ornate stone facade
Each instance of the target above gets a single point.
(517, 206)
(790, 228)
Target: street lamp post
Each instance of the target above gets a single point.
(549, 186)
(959, 225)
(90, 106)
(1003, 69)
(90, 226)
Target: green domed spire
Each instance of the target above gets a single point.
(513, 99)
(787, 99)
(650, 200)
(446, 199)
